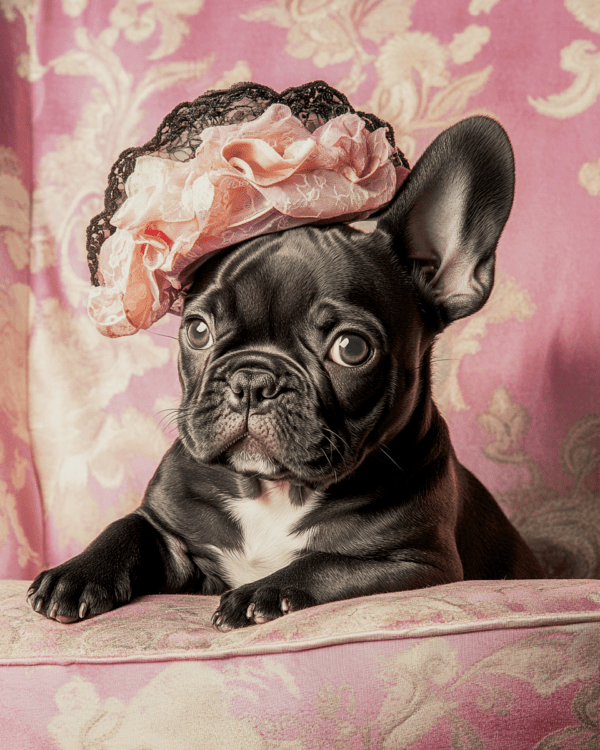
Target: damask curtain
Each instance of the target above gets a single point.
(84, 420)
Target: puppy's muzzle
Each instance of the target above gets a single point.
(251, 387)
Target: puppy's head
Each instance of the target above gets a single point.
(302, 351)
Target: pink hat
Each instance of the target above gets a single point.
(229, 166)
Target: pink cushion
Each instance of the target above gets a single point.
(499, 665)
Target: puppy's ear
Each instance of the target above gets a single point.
(448, 216)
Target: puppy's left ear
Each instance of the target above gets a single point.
(447, 218)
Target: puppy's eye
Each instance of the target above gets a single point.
(198, 334)
(350, 350)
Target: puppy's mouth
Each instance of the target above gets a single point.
(290, 443)
(246, 443)
(247, 455)
(235, 440)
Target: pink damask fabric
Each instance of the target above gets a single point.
(498, 665)
(84, 420)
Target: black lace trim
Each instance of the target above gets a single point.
(179, 135)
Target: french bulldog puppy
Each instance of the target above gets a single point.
(312, 463)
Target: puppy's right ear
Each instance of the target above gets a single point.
(448, 215)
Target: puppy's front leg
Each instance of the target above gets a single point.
(319, 577)
(128, 559)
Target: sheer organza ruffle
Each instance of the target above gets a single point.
(245, 180)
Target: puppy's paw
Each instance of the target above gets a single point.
(256, 603)
(72, 592)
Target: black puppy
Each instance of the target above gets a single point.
(312, 463)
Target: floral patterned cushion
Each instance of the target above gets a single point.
(495, 665)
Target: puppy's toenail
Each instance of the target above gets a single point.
(83, 610)
(250, 611)
(217, 620)
(53, 611)
(39, 604)
(285, 606)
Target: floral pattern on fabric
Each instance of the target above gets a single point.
(179, 626)
(492, 665)
(102, 80)
(84, 419)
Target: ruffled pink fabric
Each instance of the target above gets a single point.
(245, 180)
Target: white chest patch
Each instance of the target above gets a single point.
(266, 525)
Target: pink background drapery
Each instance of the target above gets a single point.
(83, 420)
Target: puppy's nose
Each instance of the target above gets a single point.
(253, 386)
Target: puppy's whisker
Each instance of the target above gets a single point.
(326, 457)
(171, 416)
(332, 467)
(168, 412)
(171, 422)
(164, 335)
(165, 423)
(387, 455)
(334, 446)
(339, 437)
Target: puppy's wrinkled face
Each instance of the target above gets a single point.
(299, 353)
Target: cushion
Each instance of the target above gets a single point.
(495, 665)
